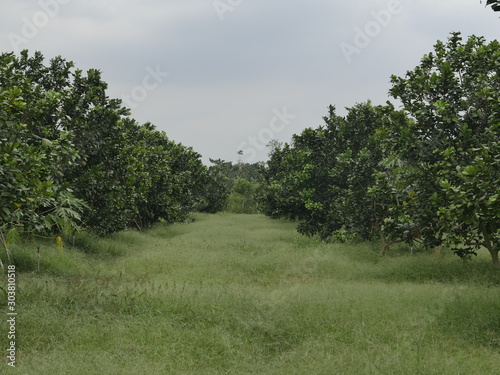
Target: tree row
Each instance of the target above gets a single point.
(428, 172)
(72, 157)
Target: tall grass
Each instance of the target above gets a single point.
(242, 294)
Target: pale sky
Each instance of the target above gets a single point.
(228, 75)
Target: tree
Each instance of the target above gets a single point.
(34, 196)
(448, 152)
(217, 189)
(473, 213)
(242, 200)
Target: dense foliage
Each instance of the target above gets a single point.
(242, 198)
(235, 186)
(71, 156)
(427, 173)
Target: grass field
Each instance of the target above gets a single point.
(242, 294)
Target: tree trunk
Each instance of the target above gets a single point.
(489, 245)
(3, 241)
(385, 244)
(494, 258)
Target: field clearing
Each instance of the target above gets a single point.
(243, 294)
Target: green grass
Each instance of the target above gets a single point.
(242, 294)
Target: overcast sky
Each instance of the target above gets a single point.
(229, 75)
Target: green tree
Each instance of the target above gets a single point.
(34, 197)
(217, 187)
(242, 197)
(453, 96)
(472, 216)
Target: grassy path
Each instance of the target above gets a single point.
(236, 294)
